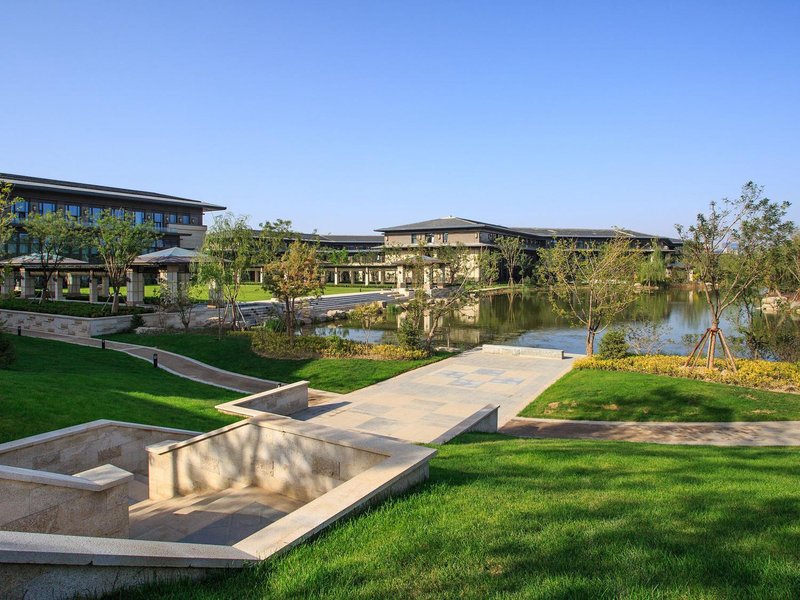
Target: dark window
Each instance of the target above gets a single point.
(118, 212)
(173, 218)
(46, 207)
(413, 238)
(21, 211)
(444, 237)
(138, 217)
(73, 210)
(93, 214)
(184, 219)
(158, 220)
(428, 238)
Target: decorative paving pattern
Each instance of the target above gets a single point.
(423, 404)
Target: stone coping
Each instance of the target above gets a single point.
(484, 419)
(238, 407)
(96, 480)
(48, 436)
(42, 548)
(60, 316)
(524, 351)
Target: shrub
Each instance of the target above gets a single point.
(71, 309)
(409, 335)
(278, 345)
(136, 321)
(762, 374)
(613, 345)
(7, 353)
(274, 325)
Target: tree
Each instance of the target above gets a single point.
(590, 286)
(456, 258)
(119, 240)
(488, 267)
(180, 300)
(512, 249)
(227, 253)
(653, 269)
(54, 235)
(7, 202)
(729, 248)
(367, 314)
(291, 275)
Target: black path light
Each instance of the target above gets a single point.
(155, 359)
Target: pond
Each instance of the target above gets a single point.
(528, 319)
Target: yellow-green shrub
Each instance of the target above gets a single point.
(278, 345)
(782, 376)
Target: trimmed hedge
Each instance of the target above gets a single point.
(277, 345)
(761, 374)
(68, 309)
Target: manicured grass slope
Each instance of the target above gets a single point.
(54, 384)
(511, 518)
(617, 396)
(233, 354)
(252, 292)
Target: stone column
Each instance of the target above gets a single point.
(27, 283)
(335, 275)
(104, 286)
(92, 288)
(427, 277)
(73, 284)
(400, 276)
(57, 287)
(380, 276)
(135, 287)
(366, 276)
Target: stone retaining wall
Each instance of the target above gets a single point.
(283, 400)
(64, 325)
(524, 351)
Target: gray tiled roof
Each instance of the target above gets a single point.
(56, 185)
(449, 223)
(583, 233)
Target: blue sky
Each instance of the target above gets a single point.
(346, 116)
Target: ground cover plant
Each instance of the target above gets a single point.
(71, 309)
(233, 353)
(762, 374)
(55, 384)
(273, 344)
(512, 518)
(619, 396)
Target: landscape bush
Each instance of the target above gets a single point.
(762, 374)
(7, 353)
(613, 345)
(277, 345)
(69, 309)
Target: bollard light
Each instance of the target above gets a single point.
(19, 330)
(103, 344)
(155, 360)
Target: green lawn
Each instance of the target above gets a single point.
(512, 518)
(233, 353)
(54, 384)
(251, 292)
(617, 396)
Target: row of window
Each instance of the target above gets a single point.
(428, 237)
(19, 245)
(25, 208)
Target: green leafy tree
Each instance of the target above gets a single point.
(291, 275)
(367, 315)
(729, 248)
(456, 258)
(590, 286)
(119, 240)
(54, 235)
(512, 250)
(228, 251)
(7, 202)
(653, 268)
(488, 267)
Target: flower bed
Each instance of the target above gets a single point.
(762, 374)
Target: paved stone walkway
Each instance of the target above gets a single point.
(425, 404)
(761, 433)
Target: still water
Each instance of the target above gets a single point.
(528, 319)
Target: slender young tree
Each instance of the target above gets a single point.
(512, 249)
(228, 251)
(729, 248)
(291, 275)
(119, 240)
(7, 202)
(54, 235)
(653, 269)
(590, 286)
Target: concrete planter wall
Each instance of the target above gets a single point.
(64, 325)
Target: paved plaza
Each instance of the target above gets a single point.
(424, 404)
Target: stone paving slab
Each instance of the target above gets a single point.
(423, 404)
(762, 433)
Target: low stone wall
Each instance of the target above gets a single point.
(64, 325)
(524, 351)
(87, 446)
(283, 400)
(255, 453)
(93, 502)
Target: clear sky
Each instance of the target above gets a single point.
(347, 116)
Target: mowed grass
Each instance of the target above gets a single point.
(252, 292)
(55, 384)
(233, 353)
(616, 396)
(512, 518)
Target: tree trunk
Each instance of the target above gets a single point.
(712, 344)
(590, 342)
(115, 302)
(289, 319)
(219, 322)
